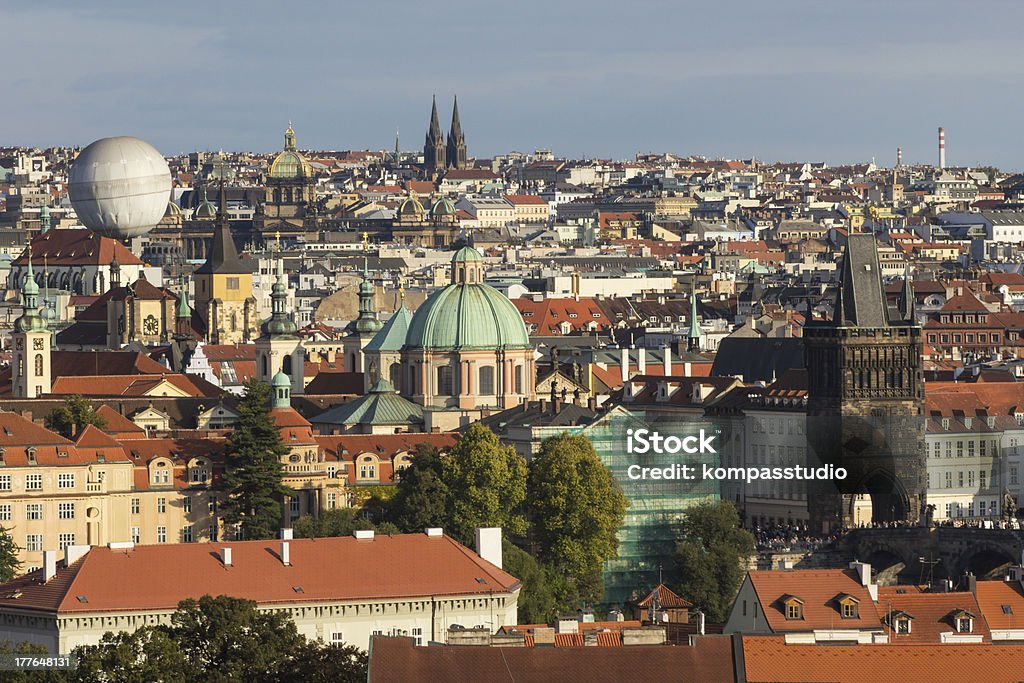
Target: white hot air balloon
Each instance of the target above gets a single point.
(120, 187)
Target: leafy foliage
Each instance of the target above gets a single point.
(253, 468)
(710, 557)
(71, 418)
(217, 639)
(537, 603)
(421, 497)
(338, 522)
(9, 563)
(576, 509)
(488, 485)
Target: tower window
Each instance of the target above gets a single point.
(444, 380)
(39, 365)
(487, 380)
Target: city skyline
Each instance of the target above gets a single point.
(594, 83)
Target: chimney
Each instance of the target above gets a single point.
(73, 553)
(700, 623)
(592, 403)
(641, 360)
(488, 545)
(625, 363)
(668, 361)
(434, 531)
(863, 570)
(49, 564)
(225, 556)
(688, 369)
(363, 534)
(286, 534)
(286, 553)
(942, 148)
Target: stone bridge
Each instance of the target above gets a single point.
(919, 554)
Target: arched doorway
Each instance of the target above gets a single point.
(879, 498)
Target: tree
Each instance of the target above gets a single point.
(421, 499)
(317, 663)
(9, 563)
(227, 638)
(26, 676)
(253, 468)
(337, 522)
(148, 654)
(711, 557)
(74, 416)
(576, 509)
(488, 485)
(537, 601)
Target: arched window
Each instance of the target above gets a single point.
(395, 375)
(266, 366)
(486, 380)
(234, 321)
(277, 195)
(286, 365)
(444, 380)
(39, 365)
(519, 379)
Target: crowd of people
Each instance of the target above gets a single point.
(782, 538)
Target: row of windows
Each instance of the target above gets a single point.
(980, 447)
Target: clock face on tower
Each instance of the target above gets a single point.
(150, 325)
(37, 344)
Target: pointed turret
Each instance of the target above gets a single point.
(433, 149)
(693, 335)
(906, 301)
(30, 366)
(280, 323)
(456, 157)
(223, 257)
(30, 320)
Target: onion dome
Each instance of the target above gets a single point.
(279, 323)
(30, 320)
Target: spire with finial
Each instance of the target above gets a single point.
(907, 296)
(367, 321)
(693, 336)
(30, 320)
(456, 152)
(289, 138)
(433, 148)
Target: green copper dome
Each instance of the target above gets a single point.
(467, 316)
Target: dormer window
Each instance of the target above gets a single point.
(963, 621)
(31, 453)
(849, 607)
(793, 607)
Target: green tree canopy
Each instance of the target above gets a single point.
(488, 485)
(537, 603)
(337, 522)
(9, 563)
(148, 654)
(711, 556)
(576, 508)
(230, 638)
(71, 418)
(421, 499)
(315, 663)
(253, 469)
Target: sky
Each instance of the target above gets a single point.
(781, 80)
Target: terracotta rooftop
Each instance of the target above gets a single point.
(819, 590)
(158, 577)
(77, 246)
(769, 659)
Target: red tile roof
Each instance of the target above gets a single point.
(77, 246)
(158, 577)
(993, 595)
(818, 589)
(769, 660)
(931, 614)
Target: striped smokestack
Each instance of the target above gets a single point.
(942, 148)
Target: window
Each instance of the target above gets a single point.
(417, 633)
(5, 482)
(5, 512)
(199, 475)
(34, 511)
(161, 534)
(232, 283)
(963, 624)
(936, 449)
(903, 626)
(970, 478)
(66, 510)
(161, 505)
(39, 365)
(981, 477)
(794, 610)
(486, 380)
(136, 534)
(337, 638)
(186, 534)
(66, 480)
(850, 609)
(64, 540)
(949, 480)
(34, 543)
(949, 449)
(135, 506)
(293, 506)
(959, 449)
(960, 478)
(1013, 474)
(332, 501)
(213, 506)
(33, 482)
(444, 380)
(519, 379)
(186, 504)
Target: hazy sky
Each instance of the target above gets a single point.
(780, 80)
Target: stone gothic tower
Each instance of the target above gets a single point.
(866, 399)
(433, 148)
(456, 141)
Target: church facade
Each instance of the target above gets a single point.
(439, 156)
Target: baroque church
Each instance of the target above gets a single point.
(439, 156)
